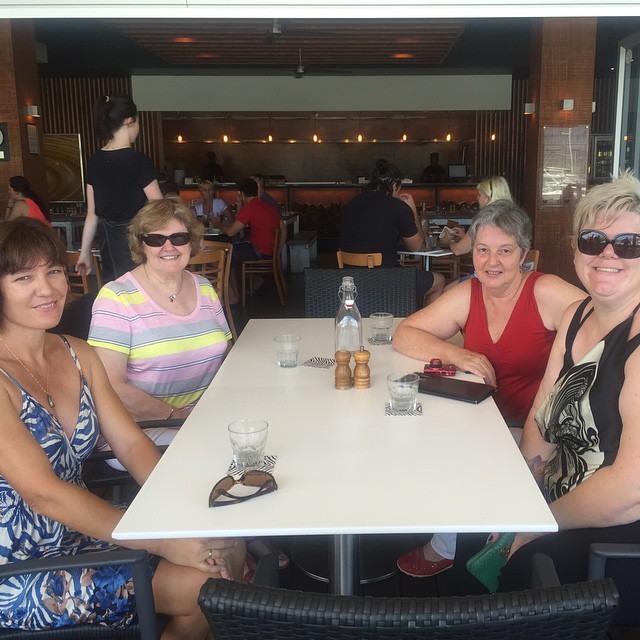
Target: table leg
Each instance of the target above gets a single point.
(426, 262)
(343, 558)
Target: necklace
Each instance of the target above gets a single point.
(172, 296)
(50, 400)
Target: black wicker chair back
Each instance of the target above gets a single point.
(392, 290)
(580, 611)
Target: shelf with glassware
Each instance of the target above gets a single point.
(601, 161)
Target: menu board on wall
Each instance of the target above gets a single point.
(566, 155)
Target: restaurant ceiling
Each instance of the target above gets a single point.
(329, 46)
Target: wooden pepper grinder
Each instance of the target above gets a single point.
(361, 372)
(343, 370)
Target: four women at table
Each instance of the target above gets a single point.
(159, 329)
(56, 399)
(508, 318)
(119, 182)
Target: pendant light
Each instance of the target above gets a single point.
(360, 137)
(314, 137)
(269, 135)
(448, 136)
(404, 129)
(225, 136)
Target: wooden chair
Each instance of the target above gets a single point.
(78, 283)
(531, 260)
(448, 266)
(548, 610)
(368, 260)
(214, 263)
(271, 266)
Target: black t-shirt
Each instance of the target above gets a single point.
(374, 222)
(118, 179)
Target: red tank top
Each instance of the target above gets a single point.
(34, 211)
(519, 357)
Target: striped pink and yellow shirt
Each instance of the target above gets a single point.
(170, 357)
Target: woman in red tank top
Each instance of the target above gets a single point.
(24, 201)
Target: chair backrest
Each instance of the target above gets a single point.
(576, 611)
(368, 260)
(393, 290)
(531, 260)
(210, 263)
(222, 285)
(78, 283)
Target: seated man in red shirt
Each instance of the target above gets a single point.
(261, 219)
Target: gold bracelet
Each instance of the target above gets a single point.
(170, 413)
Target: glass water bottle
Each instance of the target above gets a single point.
(348, 330)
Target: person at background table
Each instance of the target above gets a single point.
(581, 439)
(434, 172)
(212, 171)
(382, 217)
(489, 190)
(24, 201)
(508, 319)
(259, 217)
(262, 194)
(119, 182)
(160, 330)
(208, 207)
(56, 400)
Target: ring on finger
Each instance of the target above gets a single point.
(210, 553)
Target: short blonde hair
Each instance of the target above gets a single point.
(495, 188)
(157, 214)
(608, 201)
(206, 183)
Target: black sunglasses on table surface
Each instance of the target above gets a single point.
(158, 239)
(264, 482)
(624, 245)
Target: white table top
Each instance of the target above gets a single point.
(343, 466)
(432, 253)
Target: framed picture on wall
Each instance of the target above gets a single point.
(32, 139)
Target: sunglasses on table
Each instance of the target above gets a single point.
(624, 245)
(158, 240)
(220, 494)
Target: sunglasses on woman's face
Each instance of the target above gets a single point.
(220, 494)
(158, 240)
(624, 245)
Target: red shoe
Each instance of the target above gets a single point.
(414, 564)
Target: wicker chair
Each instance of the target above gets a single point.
(392, 290)
(580, 611)
(146, 627)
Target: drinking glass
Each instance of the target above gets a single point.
(403, 390)
(248, 437)
(381, 323)
(287, 347)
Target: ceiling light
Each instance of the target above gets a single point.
(403, 56)
(493, 137)
(183, 40)
(179, 137)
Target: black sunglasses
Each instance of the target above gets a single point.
(593, 243)
(158, 240)
(220, 496)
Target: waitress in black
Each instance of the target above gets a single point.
(120, 180)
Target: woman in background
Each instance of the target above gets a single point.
(24, 201)
(120, 180)
(209, 208)
(489, 190)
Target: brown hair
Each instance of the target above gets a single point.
(157, 214)
(25, 242)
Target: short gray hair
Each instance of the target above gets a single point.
(507, 216)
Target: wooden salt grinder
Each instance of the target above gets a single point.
(343, 370)
(361, 372)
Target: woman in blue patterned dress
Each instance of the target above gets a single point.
(54, 393)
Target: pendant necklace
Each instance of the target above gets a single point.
(172, 296)
(50, 400)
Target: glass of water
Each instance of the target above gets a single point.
(403, 391)
(248, 437)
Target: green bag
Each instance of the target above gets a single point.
(486, 565)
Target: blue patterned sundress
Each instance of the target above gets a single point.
(58, 598)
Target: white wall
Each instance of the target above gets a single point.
(322, 93)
